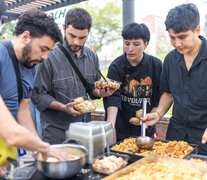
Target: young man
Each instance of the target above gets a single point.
(57, 76)
(183, 79)
(139, 74)
(35, 36)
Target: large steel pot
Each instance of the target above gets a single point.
(58, 170)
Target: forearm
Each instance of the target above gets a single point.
(111, 114)
(165, 103)
(57, 106)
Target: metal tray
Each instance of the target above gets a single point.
(158, 158)
(134, 156)
(196, 156)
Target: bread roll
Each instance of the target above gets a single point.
(78, 100)
(134, 120)
(139, 114)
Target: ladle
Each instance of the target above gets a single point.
(143, 141)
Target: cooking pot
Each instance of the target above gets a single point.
(65, 169)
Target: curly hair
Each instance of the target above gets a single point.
(136, 31)
(79, 18)
(38, 24)
(183, 18)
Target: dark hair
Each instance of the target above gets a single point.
(79, 18)
(183, 18)
(136, 31)
(38, 24)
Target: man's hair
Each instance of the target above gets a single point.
(79, 18)
(136, 31)
(183, 18)
(38, 24)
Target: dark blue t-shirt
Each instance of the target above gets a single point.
(8, 82)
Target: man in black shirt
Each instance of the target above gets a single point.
(184, 78)
(139, 74)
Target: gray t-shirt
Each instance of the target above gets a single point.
(57, 75)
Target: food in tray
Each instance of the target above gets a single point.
(109, 84)
(108, 164)
(162, 170)
(198, 160)
(84, 106)
(178, 149)
(54, 160)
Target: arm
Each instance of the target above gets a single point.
(204, 138)
(165, 103)
(16, 135)
(24, 116)
(111, 115)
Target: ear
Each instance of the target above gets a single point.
(146, 44)
(198, 30)
(25, 37)
(64, 28)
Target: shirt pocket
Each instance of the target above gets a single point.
(201, 95)
(65, 87)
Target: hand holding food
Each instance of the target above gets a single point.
(84, 106)
(101, 84)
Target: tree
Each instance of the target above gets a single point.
(7, 31)
(107, 22)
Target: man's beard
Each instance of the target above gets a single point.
(26, 57)
(73, 48)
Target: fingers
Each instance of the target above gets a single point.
(3, 170)
(204, 138)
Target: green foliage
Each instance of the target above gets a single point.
(7, 32)
(107, 24)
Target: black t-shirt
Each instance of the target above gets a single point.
(138, 82)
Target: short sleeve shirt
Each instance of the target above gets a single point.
(8, 82)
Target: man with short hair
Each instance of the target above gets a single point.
(183, 79)
(56, 77)
(139, 74)
(35, 36)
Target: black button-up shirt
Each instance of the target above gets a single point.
(189, 90)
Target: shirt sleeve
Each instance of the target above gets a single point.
(42, 86)
(115, 99)
(164, 85)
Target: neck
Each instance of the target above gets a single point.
(17, 47)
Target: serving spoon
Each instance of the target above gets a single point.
(143, 141)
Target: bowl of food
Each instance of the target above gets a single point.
(109, 83)
(84, 106)
(53, 168)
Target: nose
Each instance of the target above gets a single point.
(44, 56)
(176, 43)
(76, 41)
(131, 48)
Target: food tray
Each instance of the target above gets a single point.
(196, 156)
(188, 165)
(135, 156)
(124, 157)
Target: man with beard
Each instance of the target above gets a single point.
(35, 36)
(56, 76)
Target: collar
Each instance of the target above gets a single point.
(128, 65)
(73, 55)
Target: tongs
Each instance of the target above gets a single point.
(101, 74)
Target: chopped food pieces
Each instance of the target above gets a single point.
(109, 164)
(84, 106)
(109, 84)
(134, 120)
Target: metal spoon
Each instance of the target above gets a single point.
(107, 147)
(143, 141)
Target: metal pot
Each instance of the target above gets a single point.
(65, 169)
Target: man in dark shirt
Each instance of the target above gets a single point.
(139, 74)
(184, 79)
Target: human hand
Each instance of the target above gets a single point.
(204, 137)
(150, 119)
(106, 92)
(3, 170)
(56, 153)
(70, 109)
